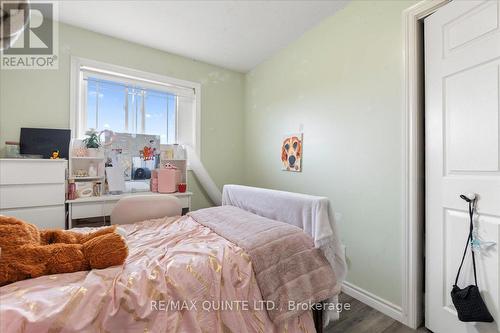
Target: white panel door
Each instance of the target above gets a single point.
(462, 74)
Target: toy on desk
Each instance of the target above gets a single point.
(55, 155)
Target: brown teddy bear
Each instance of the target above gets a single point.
(27, 252)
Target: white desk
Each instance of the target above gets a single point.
(91, 207)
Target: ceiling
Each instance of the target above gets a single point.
(233, 34)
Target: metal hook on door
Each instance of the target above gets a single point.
(478, 245)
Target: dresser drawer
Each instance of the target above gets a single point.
(31, 195)
(43, 217)
(32, 171)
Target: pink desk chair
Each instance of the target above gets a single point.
(138, 208)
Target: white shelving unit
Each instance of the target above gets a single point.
(84, 163)
(86, 178)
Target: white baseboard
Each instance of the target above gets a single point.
(380, 304)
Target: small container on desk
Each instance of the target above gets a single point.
(12, 149)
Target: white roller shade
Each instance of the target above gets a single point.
(137, 82)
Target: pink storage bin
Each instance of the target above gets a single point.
(168, 179)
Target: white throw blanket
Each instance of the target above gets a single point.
(311, 213)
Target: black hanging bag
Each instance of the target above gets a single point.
(468, 301)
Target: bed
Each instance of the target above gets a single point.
(181, 275)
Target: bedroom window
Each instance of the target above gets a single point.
(129, 101)
(127, 108)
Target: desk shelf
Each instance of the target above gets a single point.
(87, 178)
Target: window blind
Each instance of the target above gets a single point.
(135, 81)
(134, 105)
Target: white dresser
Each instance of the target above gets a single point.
(34, 190)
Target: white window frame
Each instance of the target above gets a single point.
(186, 134)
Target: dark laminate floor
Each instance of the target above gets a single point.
(363, 319)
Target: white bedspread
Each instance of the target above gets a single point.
(311, 213)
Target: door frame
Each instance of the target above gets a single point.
(413, 162)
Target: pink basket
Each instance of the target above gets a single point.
(168, 179)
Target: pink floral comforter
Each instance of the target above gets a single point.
(179, 277)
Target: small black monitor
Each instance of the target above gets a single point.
(43, 141)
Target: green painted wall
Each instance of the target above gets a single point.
(342, 82)
(40, 98)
